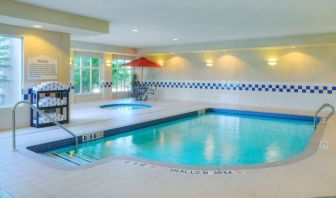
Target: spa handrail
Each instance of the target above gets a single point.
(42, 113)
(320, 109)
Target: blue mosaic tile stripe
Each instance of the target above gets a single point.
(252, 87)
(106, 84)
(264, 114)
(50, 146)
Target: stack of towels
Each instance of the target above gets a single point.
(54, 116)
(51, 101)
(51, 86)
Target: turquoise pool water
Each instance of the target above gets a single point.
(213, 139)
(126, 106)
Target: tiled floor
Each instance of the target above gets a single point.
(23, 176)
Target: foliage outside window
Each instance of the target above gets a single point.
(87, 75)
(10, 70)
(121, 76)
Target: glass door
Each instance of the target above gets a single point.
(10, 70)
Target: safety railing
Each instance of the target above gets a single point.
(42, 113)
(321, 109)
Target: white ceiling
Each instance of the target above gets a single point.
(195, 21)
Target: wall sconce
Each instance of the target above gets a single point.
(70, 62)
(272, 62)
(108, 64)
(161, 63)
(209, 64)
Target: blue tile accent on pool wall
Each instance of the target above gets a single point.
(46, 147)
(278, 87)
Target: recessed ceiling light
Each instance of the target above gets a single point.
(175, 39)
(37, 26)
(135, 30)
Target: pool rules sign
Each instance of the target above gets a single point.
(42, 68)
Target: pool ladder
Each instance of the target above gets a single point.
(328, 116)
(42, 113)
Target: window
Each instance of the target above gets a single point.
(10, 70)
(121, 76)
(87, 75)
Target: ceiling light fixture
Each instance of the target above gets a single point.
(175, 39)
(135, 30)
(37, 26)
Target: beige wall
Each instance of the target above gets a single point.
(300, 66)
(37, 42)
(315, 64)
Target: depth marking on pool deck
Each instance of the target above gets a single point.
(207, 172)
(187, 171)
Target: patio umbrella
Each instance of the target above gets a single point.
(142, 62)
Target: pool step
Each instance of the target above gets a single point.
(72, 159)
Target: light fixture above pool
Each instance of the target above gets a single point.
(209, 64)
(37, 26)
(175, 39)
(108, 64)
(135, 30)
(272, 62)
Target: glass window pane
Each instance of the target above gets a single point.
(114, 80)
(85, 62)
(86, 81)
(95, 81)
(128, 80)
(114, 64)
(10, 70)
(120, 63)
(95, 62)
(120, 80)
(77, 62)
(77, 80)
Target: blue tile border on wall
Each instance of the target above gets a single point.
(50, 146)
(306, 88)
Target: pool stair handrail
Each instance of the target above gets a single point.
(320, 109)
(42, 113)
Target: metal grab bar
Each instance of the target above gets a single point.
(320, 109)
(42, 113)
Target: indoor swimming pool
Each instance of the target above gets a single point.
(215, 138)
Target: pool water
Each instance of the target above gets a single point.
(212, 139)
(126, 106)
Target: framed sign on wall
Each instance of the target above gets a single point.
(42, 68)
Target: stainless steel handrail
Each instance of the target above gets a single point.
(320, 109)
(42, 113)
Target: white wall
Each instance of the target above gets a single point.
(306, 66)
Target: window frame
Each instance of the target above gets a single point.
(115, 83)
(81, 67)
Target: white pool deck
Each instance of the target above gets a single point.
(23, 176)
